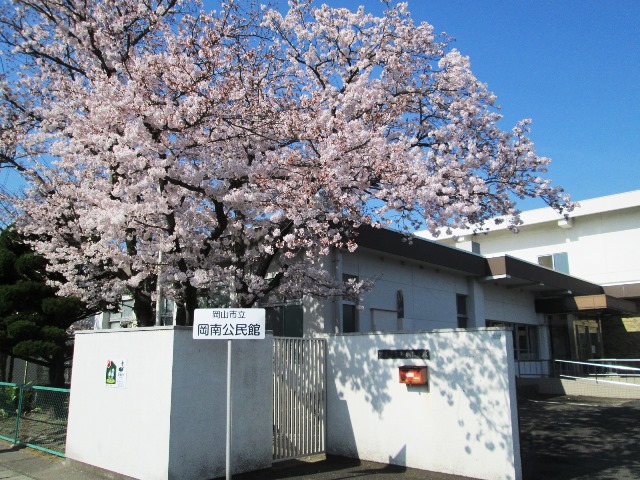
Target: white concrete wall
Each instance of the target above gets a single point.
(510, 305)
(198, 413)
(464, 423)
(124, 430)
(429, 294)
(169, 421)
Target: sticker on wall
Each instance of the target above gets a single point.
(116, 374)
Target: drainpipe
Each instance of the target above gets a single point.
(337, 301)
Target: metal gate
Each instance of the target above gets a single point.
(299, 397)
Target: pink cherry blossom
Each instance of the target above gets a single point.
(241, 144)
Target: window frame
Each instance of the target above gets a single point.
(462, 314)
(531, 351)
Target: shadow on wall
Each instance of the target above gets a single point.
(356, 367)
(475, 374)
(351, 375)
(464, 422)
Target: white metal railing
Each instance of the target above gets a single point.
(599, 372)
(627, 362)
(299, 397)
(534, 368)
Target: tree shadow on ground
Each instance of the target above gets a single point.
(571, 439)
(333, 467)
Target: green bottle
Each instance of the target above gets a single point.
(111, 373)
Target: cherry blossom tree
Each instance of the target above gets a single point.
(223, 152)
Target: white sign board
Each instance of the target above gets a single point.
(229, 324)
(116, 374)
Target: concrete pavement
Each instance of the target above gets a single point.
(562, 438)
(579, 438)
(21, 463)
(338, 468)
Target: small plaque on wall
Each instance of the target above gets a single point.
(116, 373)
(417, 353)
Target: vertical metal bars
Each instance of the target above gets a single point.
(299, 397)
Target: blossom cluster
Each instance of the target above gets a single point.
(224, 151)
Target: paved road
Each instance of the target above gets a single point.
(580, 438)
(20, 463)
(562, 438)
(338, 468)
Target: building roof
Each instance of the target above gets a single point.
(588, 303)
(592, 206)
(502, 270)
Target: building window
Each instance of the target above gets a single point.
(526, 342)
(349, 310)
(349, 318)
(284, 317)
(167, 308)
(124, 317)
(525, 339)
(461, 308)
(557, 261)
(125, 311)
(560, 340)
(588, 338)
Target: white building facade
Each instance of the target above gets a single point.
(422, 285)
(599, 242)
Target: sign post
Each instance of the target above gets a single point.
(229, 415)
(229, 324)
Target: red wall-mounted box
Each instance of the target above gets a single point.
(411, 375)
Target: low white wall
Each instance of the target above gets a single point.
(168, 421)
(464, 422)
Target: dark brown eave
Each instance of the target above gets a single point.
(504, 270)
(515, 273)
(411, 248)
(627, 290)
(601, 304)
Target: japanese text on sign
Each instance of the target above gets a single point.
(229, 324)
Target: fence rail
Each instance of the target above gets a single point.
(534, 368)
(627, 362)
(34, 416)
(598, 372)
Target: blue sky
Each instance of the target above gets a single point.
(573, 66)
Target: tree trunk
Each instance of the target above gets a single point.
(184, 312)
(143, 309)
(3, 367)
(56, 400)
(56, 371)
